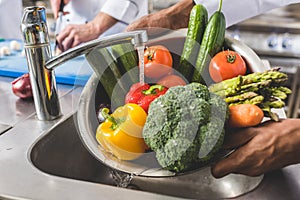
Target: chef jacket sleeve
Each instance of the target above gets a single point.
(238, 10)
(125, 10)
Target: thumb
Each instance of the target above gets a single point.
(230, 164)
(220, 170)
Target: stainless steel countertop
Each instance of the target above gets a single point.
(20, 179)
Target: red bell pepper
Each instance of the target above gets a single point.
(144, 94)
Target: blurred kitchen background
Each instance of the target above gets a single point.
(274, 36)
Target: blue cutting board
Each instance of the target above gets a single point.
(74, 72)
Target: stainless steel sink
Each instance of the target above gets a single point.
(46, 160)
(62, 153)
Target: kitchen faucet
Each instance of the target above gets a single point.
(41, 64)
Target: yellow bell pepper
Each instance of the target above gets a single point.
(121, 132)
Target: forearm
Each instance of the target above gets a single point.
(291, 128)
(180, 13)
(102, 22)
(237, 10)
(174, 17)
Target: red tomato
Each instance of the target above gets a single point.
(158, 61)
(171, 80)
(225, 65)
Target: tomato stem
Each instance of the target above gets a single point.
(150, 54)
(230, 57)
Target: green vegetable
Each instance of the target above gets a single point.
(264, 89)
(185, 126)
(197, 23)
(127, 60)
(250, 82)
(108, 73)
(211, 43)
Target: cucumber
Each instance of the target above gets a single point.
(197, 23)
(211, 43)
(106, 69)
(127, 60)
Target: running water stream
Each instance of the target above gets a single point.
(123, 179)
(140, 50)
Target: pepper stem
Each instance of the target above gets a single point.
(106, 115)
(152, 89)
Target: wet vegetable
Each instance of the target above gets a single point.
(144, 94)
(121, 133)
(171, 81)
(244, 115)
(158, 61)
(185, 126)
(225, 65)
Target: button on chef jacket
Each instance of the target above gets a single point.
(238, 10)
(125, 11)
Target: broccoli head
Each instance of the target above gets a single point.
(184, 126)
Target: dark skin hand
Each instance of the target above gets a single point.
(269, 146)
(174, 17)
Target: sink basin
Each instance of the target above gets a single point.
(62, 151)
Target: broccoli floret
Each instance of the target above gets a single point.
(219, 107)
(181, 122)
(211, 139)
(176, 154)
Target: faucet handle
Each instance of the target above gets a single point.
(34, 26)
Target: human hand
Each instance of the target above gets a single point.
(73, 35)
(55, 4)
(270, 146)
(174, 17)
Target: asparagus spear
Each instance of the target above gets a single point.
(255, 100)
(241, 97)
(234, 85)
(261, 88)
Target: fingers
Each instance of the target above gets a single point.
(231, 164)
(237, 137)
(66, 39)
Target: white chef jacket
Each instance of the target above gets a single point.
(125, 11)
(238, 10)
(10, 19)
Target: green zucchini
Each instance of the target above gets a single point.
(211, 43)
(109, 75)
(197, 23)
(127, 60)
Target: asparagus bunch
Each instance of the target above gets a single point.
(264, 89)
